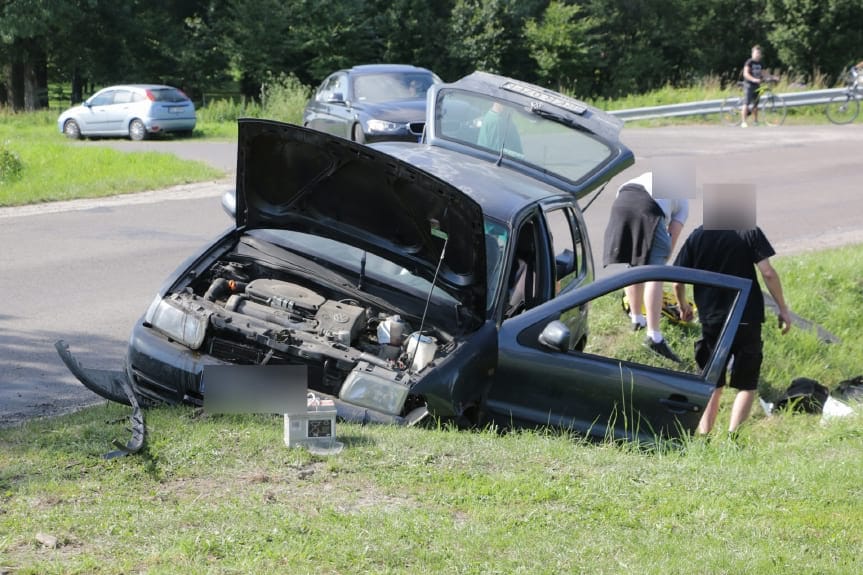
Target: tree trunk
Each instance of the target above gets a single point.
(41, 74)
(15, 85)
(77, 87)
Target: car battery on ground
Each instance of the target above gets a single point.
(314, 429)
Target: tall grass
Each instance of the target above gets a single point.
(713, 88)
(283, 97)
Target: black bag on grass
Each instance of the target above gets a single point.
(850, 389)
(804, 395)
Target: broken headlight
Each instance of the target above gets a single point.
(179, 320)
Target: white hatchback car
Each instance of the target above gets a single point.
(134, 110)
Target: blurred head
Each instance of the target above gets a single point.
(756, 53)
(729, 206)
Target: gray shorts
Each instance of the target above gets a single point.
(660, 250)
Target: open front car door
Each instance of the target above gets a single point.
(615, 387)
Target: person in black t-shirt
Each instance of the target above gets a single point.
(752, 76)
(737, 253)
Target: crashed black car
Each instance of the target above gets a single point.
(451, 276)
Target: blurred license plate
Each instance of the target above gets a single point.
(175, 109)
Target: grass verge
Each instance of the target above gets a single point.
(221, 494)
(53, 168)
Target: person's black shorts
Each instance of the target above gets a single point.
(746, 351)
(750, 94)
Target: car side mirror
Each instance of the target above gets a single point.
(564, 264)
(336, 98)
(555, 336)
(229, 203)
(86, 103)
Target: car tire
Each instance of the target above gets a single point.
(358, 135)
(71, 130)
(137, 130)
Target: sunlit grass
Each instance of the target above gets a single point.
(222, 494)
(54, 168)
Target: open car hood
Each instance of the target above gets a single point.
(289, 177)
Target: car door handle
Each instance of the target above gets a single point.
(679, 405)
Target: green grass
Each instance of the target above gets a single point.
(53, 168)
(711, 89)
(221, 494)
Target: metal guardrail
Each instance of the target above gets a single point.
(810, 98)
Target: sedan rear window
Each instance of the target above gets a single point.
(526, 135)
(167, 95)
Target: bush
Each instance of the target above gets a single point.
(226, 110)
(283, 98)
(10, 164)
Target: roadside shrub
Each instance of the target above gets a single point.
(227, 110)
(10, 164)
(283, 98)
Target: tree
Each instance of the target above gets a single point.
(487, 35)
(559, 43)
(412, 32)
(24, 29)
(811, 36)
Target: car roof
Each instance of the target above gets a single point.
(501, 192)
(139, 87)
(378, 68)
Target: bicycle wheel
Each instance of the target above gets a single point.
(843, 109)
(772, 109)
(729, 111)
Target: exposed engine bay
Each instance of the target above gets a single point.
(242, 312)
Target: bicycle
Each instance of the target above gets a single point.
(770, 105)
(844, 108)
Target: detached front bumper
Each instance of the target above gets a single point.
(113, 385)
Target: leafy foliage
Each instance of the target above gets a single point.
(560, 43)
(10, 164)
(602, 48)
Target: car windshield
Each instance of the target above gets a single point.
(496, 236)
(350, 258)
(525, 135)
(374, 88)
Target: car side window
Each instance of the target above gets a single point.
(527, 285)
(103, 99)
(566, 246)
(612, 335)
(122, 97)
(332, 86)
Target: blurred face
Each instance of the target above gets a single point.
(756, 54)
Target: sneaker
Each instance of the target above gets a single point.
(661, 348)
(744, 125)
(637, 326)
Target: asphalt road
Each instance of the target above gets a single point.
(84, 271)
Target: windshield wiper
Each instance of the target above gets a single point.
(543, 113)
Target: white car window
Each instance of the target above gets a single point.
(103, 99)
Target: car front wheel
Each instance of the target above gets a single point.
(137, 131)
(72, 130)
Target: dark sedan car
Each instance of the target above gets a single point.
(372, 103)
(451, 276)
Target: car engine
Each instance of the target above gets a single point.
(366, 355)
